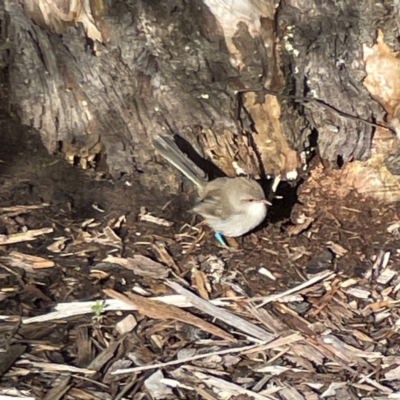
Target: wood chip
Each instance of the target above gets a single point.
(386, 276)
(337, 249)
(16, 210)
(165, 257)
(141, 265)
(156, 309)
(362, 336)
(359, 293)
(106, 238)
(184, 360)
(58, 246)
(199, 282)
(302, 224)
(155, 387)
(59, 389)
(393, 374)
(9, 356)
(147, 217)
(266, 272)
(229, 318)
(24, 236)
(126, 325)
(310, 282)
(225, 388)
(65, 310)
(51, 367)
(27, 262)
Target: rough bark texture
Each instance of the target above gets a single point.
(163, 67)
(134, 88)
(175, 66)
(322, 42)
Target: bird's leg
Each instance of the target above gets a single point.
(228, 242)
(221, 239)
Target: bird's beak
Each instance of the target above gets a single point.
(265, 202)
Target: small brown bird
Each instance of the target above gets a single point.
(230, 206)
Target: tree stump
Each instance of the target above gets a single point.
(100, 80)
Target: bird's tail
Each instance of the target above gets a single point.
(171, 152)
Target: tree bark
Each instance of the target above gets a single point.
(102, 80)
(161, 67)
(323, 44)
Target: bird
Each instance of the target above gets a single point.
(232, 207)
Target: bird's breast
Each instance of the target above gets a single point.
(238, 224)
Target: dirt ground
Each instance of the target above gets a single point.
(91, 218)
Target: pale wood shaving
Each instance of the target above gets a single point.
(221, 386)
(65, 310)
(290, 393)
(349, 282)
(141, 265)
(165, 257)
(200, 283)
(337, 249)
(58, 246)
(228, 318)
(51, 367)
(147, 217)
(106, 238)
(24, 236)
(126, 324)
(27, 262)
(302, 223)
(14, 394)
(394, 229)
(16, 210)
(266, 272)
(386, 276)
(159, 310)
(359, 293)
(156, 387)
(267, 299)
(186, 359)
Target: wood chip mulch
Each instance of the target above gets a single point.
(141, 327)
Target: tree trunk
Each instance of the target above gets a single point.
(101, 80)
(323, 42)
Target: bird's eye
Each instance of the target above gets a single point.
(250, 200)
